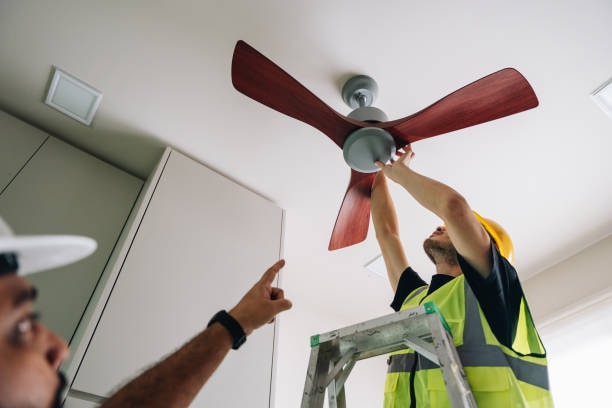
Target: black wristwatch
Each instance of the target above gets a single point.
(232, 326)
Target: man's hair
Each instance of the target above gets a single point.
(8, 263)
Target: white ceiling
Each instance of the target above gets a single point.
(164, 69)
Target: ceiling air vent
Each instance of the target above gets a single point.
(603, 97)
(73, 97)
(377, 266)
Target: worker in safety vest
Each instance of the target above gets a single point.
(477, 291)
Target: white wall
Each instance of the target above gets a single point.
(579, 281)
(572, 304)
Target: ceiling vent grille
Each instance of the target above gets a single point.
(603, 97)
(73, 97)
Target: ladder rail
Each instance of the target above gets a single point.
(314, 389)
(457, 385)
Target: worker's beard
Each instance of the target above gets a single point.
(57, 403)
(440, 253)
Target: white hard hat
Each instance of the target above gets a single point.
(39, 252)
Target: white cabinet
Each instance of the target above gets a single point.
(202, 243)
(58, 189)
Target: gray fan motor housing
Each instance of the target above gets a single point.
(365, 146)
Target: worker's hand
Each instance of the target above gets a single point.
(262, 303)
(396, 167)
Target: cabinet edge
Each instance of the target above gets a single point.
(95, 308)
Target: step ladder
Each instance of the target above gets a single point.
(423, 329)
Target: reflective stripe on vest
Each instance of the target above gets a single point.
(492, 356)
(414, 294)
(476, 352)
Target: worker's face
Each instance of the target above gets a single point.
(30, 354)
(439, 239)
(440, 234)
(439, 247)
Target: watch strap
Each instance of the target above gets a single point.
(232, 326)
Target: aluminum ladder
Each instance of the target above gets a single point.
(423, 329)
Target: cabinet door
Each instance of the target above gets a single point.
(63, 190)
(202, 243)
(18, 143)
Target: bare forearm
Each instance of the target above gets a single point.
(465, 232)
(437, 197)
(384, 216)
(175, 381)
(467, 235)
(386, 225)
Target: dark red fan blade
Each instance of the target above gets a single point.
(500, 94)
(354, 216)
(259, 78)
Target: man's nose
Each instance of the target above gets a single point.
(56, 349)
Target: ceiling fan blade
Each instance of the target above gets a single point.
(354, 216)
(259, 78)
(500, 94)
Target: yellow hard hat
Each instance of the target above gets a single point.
(499, 235)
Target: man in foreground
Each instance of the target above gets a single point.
(30, 354)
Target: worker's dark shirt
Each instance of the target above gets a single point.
(499, 295)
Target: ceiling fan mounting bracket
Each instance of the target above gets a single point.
(359, 91)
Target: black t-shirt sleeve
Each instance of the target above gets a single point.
(499, 295)
(409, 281)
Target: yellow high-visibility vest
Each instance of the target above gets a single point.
(498, 376)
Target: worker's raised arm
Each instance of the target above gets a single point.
(466, 233)
(385, 223)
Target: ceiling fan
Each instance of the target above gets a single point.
(366, 135)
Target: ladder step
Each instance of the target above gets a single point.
(383, 334)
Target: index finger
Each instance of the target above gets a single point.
(270, 274)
